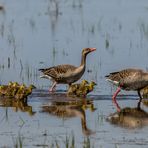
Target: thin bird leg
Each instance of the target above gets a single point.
(52, 88)
(138, 106)
(114, 99)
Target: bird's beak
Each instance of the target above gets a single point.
(92, 49)
(95, 83)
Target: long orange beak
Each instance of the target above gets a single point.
(92, 49)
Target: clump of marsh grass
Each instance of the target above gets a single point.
(69, 142)
(87, 143)
(18, 141)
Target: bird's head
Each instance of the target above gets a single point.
(93, 83)
(32, 86)
(84, 82)
(14, 84)
(85, 51)
(10, 83)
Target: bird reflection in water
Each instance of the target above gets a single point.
(129, 117)
(17, 105)
(145, 96)
(71, 109)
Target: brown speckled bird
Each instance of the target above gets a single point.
(128, 79)
(66, 74)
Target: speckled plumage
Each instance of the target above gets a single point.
(129, 79)
(66, 74)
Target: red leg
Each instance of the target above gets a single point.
(52, 88)
(114, 99)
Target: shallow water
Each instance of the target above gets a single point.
(36, 34)
(54, 117)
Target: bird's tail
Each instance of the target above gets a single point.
(42, 69)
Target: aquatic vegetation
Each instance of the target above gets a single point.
(32, 24)
(144, 29)
(107, 43)
(69, 142)
(100, 118)
(18, 141)
(8, 62)
(1, 8)
(12, 38)
(87, 143)
(2, 28)
(78, 3)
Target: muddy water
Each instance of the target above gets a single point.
(36, 34)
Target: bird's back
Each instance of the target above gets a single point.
(64, 73)
(129, 79)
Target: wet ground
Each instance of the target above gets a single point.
(40, 33)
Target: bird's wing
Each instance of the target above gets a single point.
(58, 71)
(119, 76)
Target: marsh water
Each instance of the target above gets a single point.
(42, 33)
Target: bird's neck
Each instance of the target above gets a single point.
(83, 60)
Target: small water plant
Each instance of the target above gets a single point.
(18, 141)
